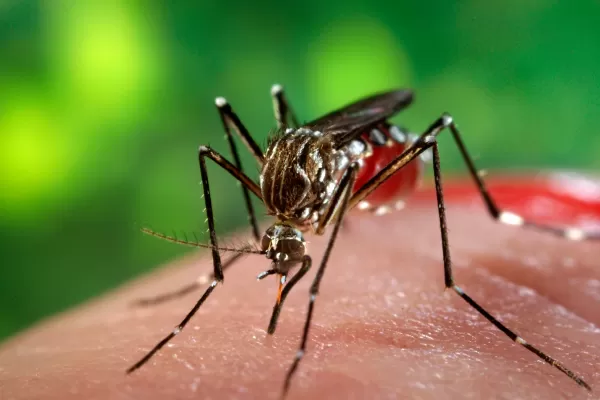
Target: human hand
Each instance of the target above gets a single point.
(383, 327)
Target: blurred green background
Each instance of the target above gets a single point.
(103, 105)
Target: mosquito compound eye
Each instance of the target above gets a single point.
(293, 248)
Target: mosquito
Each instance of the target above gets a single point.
(311, 175)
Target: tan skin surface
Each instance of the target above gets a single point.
(383, 327)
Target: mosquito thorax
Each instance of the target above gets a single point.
(283, 243)
(299, 175)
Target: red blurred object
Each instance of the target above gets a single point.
(398, 186)
(558, 198)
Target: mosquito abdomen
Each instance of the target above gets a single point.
(386, 142)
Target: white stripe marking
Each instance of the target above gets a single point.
(520, 340)
(574, 234)
(220, 102)
(509, 218)
(458, 290)
(276, 89)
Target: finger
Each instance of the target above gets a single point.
(384, 327)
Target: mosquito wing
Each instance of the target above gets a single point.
(346, 123)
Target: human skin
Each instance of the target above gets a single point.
(383, 328)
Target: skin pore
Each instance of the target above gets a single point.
(383, 326)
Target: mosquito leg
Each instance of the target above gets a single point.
(425, 141)
(175, 331)
(228, 117)
(282, 108)
(185, 290)
(418, 146)
(449, 280)
(502, 216)
(505, 217)
(341, 199)
(246, 184)
(306, 264)
(168, 296)
(204, 152)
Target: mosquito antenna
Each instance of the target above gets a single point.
(185, 242)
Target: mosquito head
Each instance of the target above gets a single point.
(283, 242)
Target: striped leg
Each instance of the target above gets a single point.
(449, 281)
(428, 140)
(339, 202)
(229, 119)
(504, 216)
(205, 152)
(282, 109)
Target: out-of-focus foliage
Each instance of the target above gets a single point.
(103, 105)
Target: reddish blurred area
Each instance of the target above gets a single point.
(556, 198)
